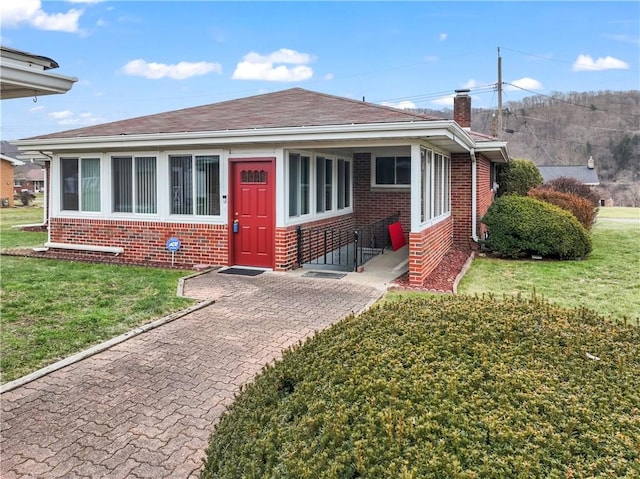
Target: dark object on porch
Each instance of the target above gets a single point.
(242, 271)
(343, 249)
(324, 275)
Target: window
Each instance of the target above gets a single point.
(134, 184)
(436, 184)
(299, 172)
(199, 174)
(324, 184)
(332, 178)
(392, 170)
(344, 184)
(80, 184)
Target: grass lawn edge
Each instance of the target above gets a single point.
(98, 348)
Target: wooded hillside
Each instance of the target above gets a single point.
(568, 128)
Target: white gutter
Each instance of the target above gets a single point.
(21, 81)
(474, 198)
(442, 129)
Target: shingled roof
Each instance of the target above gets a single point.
(295, 107)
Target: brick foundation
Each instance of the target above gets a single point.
(145, 241)
(427, 248)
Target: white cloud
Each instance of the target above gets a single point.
(264, 67)
(328, 76)
(61, 115)
(444, 101)
(403, 105)
(624, 38)
(587, 63)
(36, 108)
(16, 12)
(471, 83)
(442, 37)
(68, 118)
(526, 83)
(430, 58)
(179, 71)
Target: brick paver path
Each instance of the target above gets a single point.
(146, 407)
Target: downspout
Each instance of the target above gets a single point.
(47, 189)
(474, 196)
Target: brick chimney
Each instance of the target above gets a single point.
(462, 108)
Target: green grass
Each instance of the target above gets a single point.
(11, 237)
(52, 309)
(607, 281)
(619, 212)
(454, 387)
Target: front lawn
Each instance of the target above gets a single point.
(52, 309)
(607, 281)
(433, 387)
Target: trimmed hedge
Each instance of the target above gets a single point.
(432, 387)
(520, 226)
(517, 177)
(579, 206)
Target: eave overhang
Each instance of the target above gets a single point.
(20, 80)
(445, 134)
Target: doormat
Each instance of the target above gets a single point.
(242, 271)
(323, 275)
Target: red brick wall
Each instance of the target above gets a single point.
(145, 241)
(370, 206)
(427, 248)
(461, 199)
(6, 177)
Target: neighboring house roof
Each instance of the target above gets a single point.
(30, 172)
(582, 173)
(287, 116)
(13, 161)
(26, 75)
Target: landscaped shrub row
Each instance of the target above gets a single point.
(520, 226)
(580, 207)
(451, 387)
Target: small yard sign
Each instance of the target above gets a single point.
(173, 245)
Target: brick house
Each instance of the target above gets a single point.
(7, 179)
(236, 182)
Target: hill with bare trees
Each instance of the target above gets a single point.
(568, 128)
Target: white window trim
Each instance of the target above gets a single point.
(162, 178)
(314, 215)
(389, 188)
(445, 190)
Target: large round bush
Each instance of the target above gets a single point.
(520, 226)
(443, 387)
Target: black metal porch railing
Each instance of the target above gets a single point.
(343, 249)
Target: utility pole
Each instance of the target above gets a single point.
(500, 127)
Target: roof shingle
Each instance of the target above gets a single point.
(295, 107)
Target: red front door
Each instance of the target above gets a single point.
(252, 210)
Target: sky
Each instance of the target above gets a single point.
(139, 58)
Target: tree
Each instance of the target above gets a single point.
(517, 177)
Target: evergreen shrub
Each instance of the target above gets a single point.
(517, 177)
(580, 207)
(520, 226)
(445, 386)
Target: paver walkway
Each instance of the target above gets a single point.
(146, 407)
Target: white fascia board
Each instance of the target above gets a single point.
(33, 81)
(347, 133)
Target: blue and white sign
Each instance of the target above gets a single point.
(173, 244)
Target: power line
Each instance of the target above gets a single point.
(588, 107)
